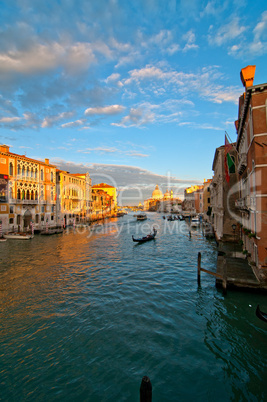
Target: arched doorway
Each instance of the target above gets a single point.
(27, 218)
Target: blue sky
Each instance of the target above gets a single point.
(140, 92)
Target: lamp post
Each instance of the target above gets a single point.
(234, 228)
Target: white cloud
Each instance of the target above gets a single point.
(71, 124)
(226, 33)
(106, 110)
(9, 119)
(137, 117)
(43, 57)
(50, 120)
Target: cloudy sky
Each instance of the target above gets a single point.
(136, 92)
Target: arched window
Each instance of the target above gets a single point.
(11, 169)
(23, 195)
(23, 171)
(19, 170)
(32, 195)
(36, 195)
(35, 173)
(32, 173)
(18, 194)
(27, 171)
(52, 176)
(42, 174)
(28, 195)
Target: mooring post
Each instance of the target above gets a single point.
(189, 234)
(224, 281)
(146, 390)
(198, 268)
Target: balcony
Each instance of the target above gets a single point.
(243, 203)
(242, 163)
(24, 202)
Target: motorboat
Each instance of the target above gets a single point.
(141, 217)
(2, 239)
(18, 236)
(150, 236)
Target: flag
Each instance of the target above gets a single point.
(229, 164)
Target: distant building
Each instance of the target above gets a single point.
(193, 199)
(160, 202)
(222, 202)
(207, 199)
(110, 190)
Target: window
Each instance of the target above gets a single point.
(208, 200)
(52, 217)
(11, 220)
(42, 209)
(42, 174)
(11, 169)
(52, 176)
(11, 210)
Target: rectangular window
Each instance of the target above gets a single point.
(11, 220)
(11, 210)
(42, 209)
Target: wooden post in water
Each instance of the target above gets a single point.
(224, 281)
(146, 390)
(198, 268)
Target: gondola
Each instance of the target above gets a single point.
(151, 236)
(260, 314)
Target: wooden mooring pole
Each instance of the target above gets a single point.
(222, 277)
(198, 268)
(146, 390)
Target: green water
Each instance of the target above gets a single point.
(84, 316)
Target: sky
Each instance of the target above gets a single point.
(137, 93)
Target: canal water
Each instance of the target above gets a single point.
(85, 315)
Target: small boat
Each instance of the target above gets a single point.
(2, 239)
(141, 217)
(260, 314)
(18, 236)
(195, 222)
(151, 236)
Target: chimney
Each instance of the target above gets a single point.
(46, 161)
(4, 148)
(247, 76)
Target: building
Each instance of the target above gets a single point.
(223, 196)
(252, 167)
(166, 202)
(206, 199)
(27, 192)
(110, 190)
(191, 202)
(102, 204)
(74, 198)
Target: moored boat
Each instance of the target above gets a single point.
(150, 236)
(2, 239)
(195, 222)
(260, 314)
(18, 236)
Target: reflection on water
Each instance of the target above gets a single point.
(85, 315)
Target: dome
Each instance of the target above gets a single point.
(167, 194)
(157, 194)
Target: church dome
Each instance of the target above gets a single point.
(157, 194)
(167, 194)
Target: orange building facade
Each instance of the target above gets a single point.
(252, 167)
(27, 192)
